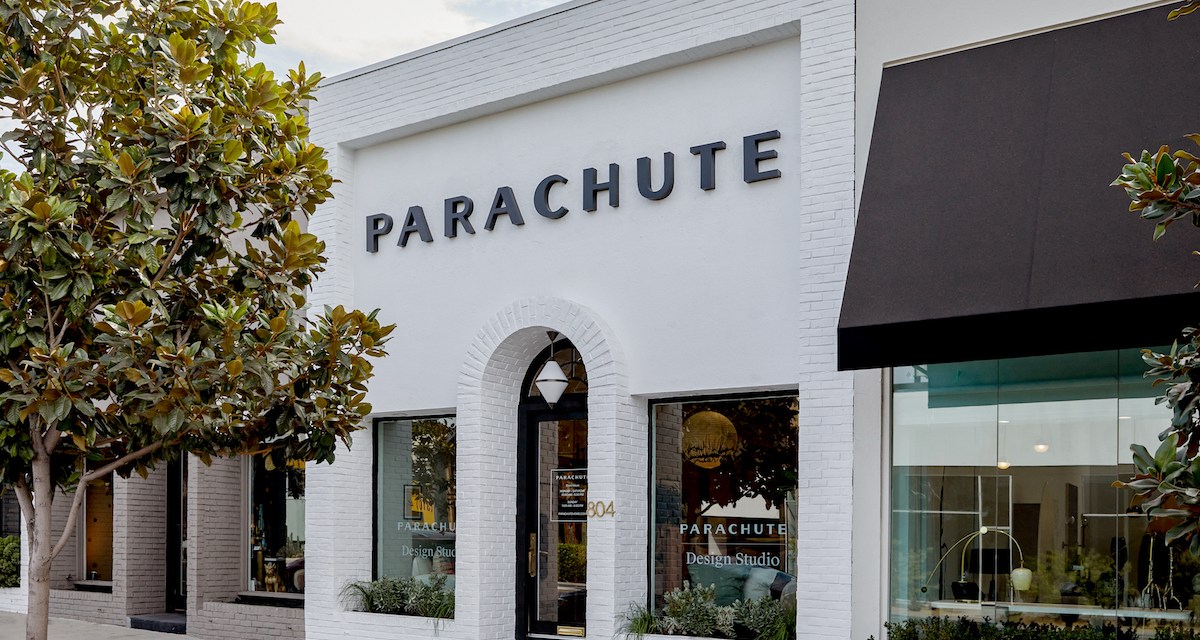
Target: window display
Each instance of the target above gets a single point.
(725, 501)
(415, 493)
(276, 527)
(1002, 499)
(98, 530)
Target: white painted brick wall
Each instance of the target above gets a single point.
(559, 51)
(217, 551)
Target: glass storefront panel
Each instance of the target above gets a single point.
(98, 530)
(415, 500)
(1002, 504)
(276, 527)
(725, 474)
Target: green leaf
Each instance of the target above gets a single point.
(125, 162)
(1159, 230)
(116, 200)
(1165, 169)
(1166, 452)
(233, 151)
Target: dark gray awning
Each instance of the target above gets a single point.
(987, 227)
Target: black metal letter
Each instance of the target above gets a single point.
(643, 173)
(751, 156)
(708, 163)
(591, 187)
(541, 198)
(415, 221)
(374, 230)
(455, 215)
(505, 203)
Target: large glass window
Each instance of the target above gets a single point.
(98, 530)
(725, 498)
(10, 512)
(415, 511)
(276, 527)
(1004, 466)
(10, 538)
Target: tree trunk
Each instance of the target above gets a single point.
(38, 617)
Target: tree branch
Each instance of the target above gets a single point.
(72, 516)
(35, 434)
(53, 436)
(165, 266)
(123, 460)
(25, 499)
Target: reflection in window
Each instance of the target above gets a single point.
(415, 510)
(725, 497)
(276, 527)
(10, 538)
(98, 530)
(10, 512)
(1028, 448)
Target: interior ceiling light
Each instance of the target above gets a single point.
(1041, 447)
(709, 438)
(1003, 464)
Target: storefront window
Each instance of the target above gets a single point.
(276, 527)
(10, 512)
(98, 530)
(415, 510)
(725, 499)
(10, 538)
(1003, 466)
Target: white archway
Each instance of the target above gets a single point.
(489, 391)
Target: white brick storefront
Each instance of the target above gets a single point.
(583, 58)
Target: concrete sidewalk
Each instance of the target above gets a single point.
(12, 627)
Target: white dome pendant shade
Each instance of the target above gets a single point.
(551, 382)
(1022, 579)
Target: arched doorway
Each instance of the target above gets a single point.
(552, 480)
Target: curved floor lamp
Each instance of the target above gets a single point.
(1021, 577)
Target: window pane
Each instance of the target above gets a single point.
(10, 512)
(276, 528)
(98, 530)
(1004, 466)
(415, 511)
(725, 498)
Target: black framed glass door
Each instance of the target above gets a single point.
(552, 481)
(554, 531)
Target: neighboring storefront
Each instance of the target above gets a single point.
(997, 298)
(655, 200)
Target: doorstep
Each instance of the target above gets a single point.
(160, 622)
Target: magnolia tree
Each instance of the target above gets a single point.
(1164, 187)
(152, 271)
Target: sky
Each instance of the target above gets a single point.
(335, 36)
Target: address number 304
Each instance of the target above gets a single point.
(601, 509)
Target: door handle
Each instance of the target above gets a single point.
(533, 556)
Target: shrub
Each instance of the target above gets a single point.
(694, 612)
(767, 618)
(967, 629)
(404, 596)
(10, 562)
(572, 562)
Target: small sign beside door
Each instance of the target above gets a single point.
(570, 498)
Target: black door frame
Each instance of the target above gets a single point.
(531, 411)
(176, 574)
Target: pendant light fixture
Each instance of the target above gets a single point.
(551, 382)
